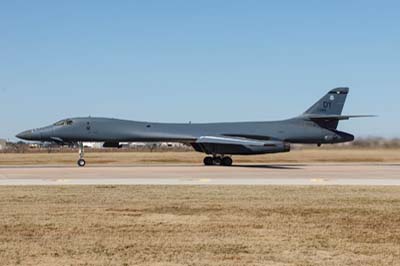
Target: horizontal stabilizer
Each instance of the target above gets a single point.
(336, 117)
(331, 121)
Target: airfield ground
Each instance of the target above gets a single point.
(199, 225)
(206, 224)
(126, 158)
(194, 174)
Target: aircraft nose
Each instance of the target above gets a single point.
(26, 135)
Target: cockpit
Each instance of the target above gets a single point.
(66, 122)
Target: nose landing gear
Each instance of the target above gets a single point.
(218, 160)
(81, 162)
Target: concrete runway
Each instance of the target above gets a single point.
(273, 174)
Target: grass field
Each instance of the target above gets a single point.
(204, 225)
(295, 156)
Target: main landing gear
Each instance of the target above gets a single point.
(218, 160)
(81, 162)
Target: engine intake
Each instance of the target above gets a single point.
(112, 145)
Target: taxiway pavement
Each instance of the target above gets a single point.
(247, 174)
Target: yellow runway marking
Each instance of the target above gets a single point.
(319, 180)
(63, 180)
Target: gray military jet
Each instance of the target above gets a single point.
(318, 125)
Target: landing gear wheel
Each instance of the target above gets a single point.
(226, 161)
(217, 160)
(81, 162)
(208, 161)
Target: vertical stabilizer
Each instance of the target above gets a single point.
(331, 104)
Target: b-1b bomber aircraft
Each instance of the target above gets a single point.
(317, 125)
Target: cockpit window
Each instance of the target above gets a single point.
(64, 122)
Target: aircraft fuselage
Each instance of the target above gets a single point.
(317, 125)
(114, 130)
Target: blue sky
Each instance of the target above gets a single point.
(199, 61)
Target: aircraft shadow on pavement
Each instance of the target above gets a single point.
(270, 166)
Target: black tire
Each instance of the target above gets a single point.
(208, 161)
(217, 161)
(81, 162)
(227, 161)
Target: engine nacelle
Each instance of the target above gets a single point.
(239, 146)
(270, 147)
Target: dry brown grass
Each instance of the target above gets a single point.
(199, 225)
(295, 156)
